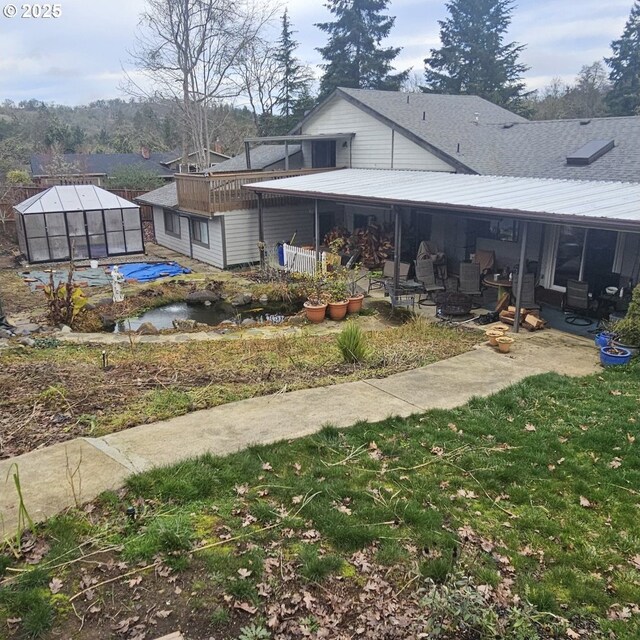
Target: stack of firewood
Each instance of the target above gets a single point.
(375, 243)
(529, 318)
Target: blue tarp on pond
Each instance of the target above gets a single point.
(147, 271)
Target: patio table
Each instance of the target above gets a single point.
(503, 285)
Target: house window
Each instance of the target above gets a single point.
(504, 230)
(200, 232)
(171, 223)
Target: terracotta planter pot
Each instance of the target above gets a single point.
(338, 310)
(504, 344)
(315, 312)
(355, 304)
(493, 335)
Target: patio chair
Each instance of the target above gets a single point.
(576, 303)
(469, 276)
(388, 271)
(528, 295)
(401, 298)
(429, 251)
(486, 260)
(426, 276)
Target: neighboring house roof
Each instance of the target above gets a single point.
(77, 197)
(102, 163)
(165, 196)
(223, 156)
(605, 204)
(499, 142)
(262, 157)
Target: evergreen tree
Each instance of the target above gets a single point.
(624, 97)
(353, 55)
(296, 78)
(474, 58)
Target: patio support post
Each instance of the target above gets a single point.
(247, 155)
(286, 156)
(521, 271)
(397, 239)
(316, 230)
(261, 229)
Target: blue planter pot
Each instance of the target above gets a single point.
(604, 339)
(612, 356)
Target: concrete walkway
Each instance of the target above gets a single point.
(74, 472)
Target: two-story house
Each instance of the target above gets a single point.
(363, 154)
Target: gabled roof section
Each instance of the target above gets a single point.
(453, 127)
(101, 163)
(262, 157)
(77, 197)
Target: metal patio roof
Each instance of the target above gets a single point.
(614, 205)
(76, 197)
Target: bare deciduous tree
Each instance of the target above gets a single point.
(187, 51)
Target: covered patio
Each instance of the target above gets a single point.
(561, 230)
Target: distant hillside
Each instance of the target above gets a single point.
(105, 126)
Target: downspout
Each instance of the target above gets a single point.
(397, 238)
(247, 155)
(316, 223)
(260, 229)
(521, 271)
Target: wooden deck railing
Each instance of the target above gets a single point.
(222, 192)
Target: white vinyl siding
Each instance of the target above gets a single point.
(409, 155)
(213, 254)
(181, 244)
(371, 148)
(241, 230)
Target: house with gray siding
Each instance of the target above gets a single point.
(429, 133)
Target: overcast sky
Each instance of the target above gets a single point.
(79, 56)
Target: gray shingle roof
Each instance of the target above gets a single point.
(103, 163)
(262, 157)
(536, 149)
(540, 149)
(165, 196)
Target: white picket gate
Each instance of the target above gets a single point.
(301, 260)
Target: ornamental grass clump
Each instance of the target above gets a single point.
(352, 343)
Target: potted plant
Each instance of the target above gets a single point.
(504, 343)
(355, 297)
(627, 330)
(611, 356)
(316, 304)
(338, 296)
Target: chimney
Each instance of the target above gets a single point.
(217, 146)
(144, 152)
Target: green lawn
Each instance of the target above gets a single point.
(532, 495)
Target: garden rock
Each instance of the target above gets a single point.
(4, 334)
(27, 329)
(248, 322)
(242, 299)
(147, 329)
(184, 325)
(27, 342)
(108, 321)
(203, 296)
(264, 298)
(66, 329)
(296, 320)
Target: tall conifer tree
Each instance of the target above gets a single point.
(624, 97)
(474, 58)
(296, 78)
(353, 54)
